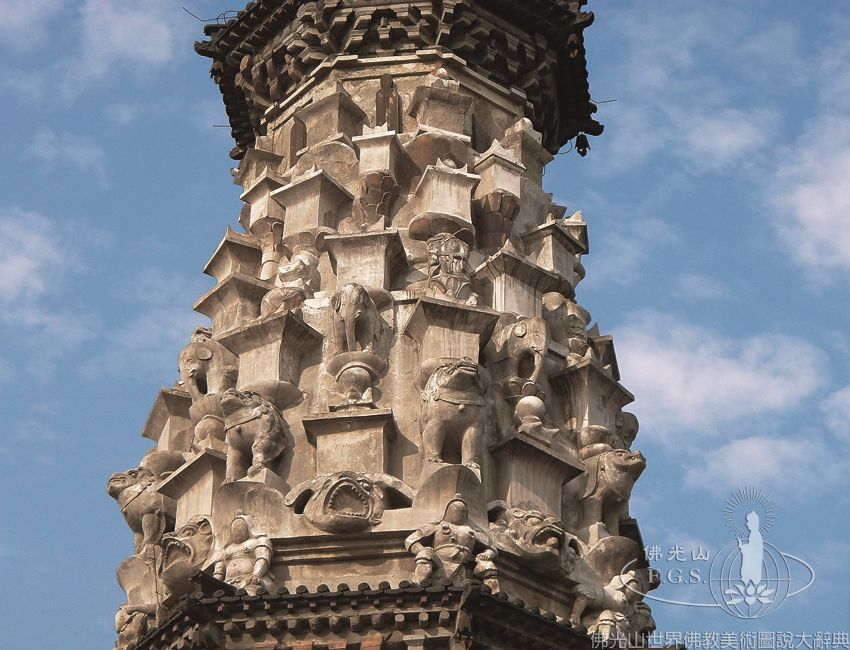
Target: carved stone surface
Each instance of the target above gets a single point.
(149, 514)
(348, 502)
(613, 611)
(396, 345)
(255, 432)
(184, 551)
(610, 478)
(245, 560)
(207, 369)
(451, 415)
(454, 547)
(537, 538)
(132, 622)
(448, 276)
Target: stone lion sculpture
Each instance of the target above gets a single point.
(255, 432)
(532, 535)
(348, 502)
(452, 413)
(132, 622)
(609, 611)
(148, 513)
(610, 478)
(184, 551)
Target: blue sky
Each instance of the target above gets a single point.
(717, 202)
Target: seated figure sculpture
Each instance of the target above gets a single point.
(607, 611)
(246, 559)
(297, 279)
(454, 547)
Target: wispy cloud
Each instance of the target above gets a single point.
(812, 198)
(809, 196)
(36, 262)
(79, 151)
(696, 287)
(836, 412)
(626, 247)
(30, 254)
(122, 112)
(159, 322)
(24, 23)
(689, 378)
(672, 101)
(110, 37)
(787, 466)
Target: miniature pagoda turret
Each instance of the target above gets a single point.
(400, 429)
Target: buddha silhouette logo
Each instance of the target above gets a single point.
(749, 577)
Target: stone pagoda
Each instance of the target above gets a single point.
(400, 429)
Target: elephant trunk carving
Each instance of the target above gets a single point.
(356, 319)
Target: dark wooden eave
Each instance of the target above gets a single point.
(561, 21)
(492, 621)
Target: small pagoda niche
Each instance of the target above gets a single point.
(496, 197)
(445, 194)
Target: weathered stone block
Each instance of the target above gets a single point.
(449, 330)
(195, 484)
(358, 441)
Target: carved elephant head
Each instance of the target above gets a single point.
(206, 366)
(525, 345)
(356, 319)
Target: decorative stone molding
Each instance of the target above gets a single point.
(398, 385)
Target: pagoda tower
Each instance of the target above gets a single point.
(400, 429)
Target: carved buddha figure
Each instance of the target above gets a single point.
(245, 561)
(449, 277)
(452, 546)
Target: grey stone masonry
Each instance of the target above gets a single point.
(398, 387)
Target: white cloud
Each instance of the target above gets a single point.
(7, 371)
(812, 198)
(787, 466)
(31, 256)
(122, 112)
(809, 197)
(75, 150)
(36, 262)
(681, 84)
(115, 33)
(159, 322)
(693, 286)
(622, 252)
(836, 411)
(24, 23)
(717, 139)
(689, 378)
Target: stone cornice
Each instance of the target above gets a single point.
(539, 51)
(221, 616)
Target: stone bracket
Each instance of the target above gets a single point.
(356, 441)
(194, 485)
(447, 329)
(270, 351)
(233, 301)
(532, 470)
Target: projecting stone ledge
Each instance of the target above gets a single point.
(351, 440)
(552, 74)
(449, 330)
